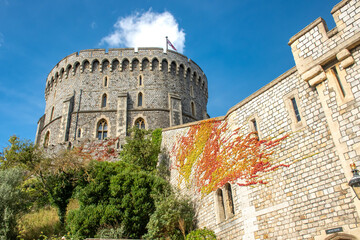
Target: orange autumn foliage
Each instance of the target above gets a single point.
(98, 150)
(211, 154)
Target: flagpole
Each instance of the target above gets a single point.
(166, 44)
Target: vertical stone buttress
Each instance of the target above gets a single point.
(65, 123)
(175, 113)
(121, 115)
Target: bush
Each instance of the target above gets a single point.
(201, 234)
(172, 219)
(12, 201)
(115, 194)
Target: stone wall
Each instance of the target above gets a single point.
(312, 194)
(169, 84)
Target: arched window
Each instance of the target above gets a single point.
(102, 129)
(46, 139)
(193, 109)
(229, 201)
(140, 123)
(103, 100)
(140, 99)
(220, 205)
(52, 114)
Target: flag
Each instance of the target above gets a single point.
(168, 42)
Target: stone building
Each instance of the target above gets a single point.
(318, 102)
(95, 94)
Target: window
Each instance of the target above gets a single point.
(52, 114)
(255, 128)
(140, 80)
(336, 74)
(293, 107)
(224, 203)
(46, 139)
(79, 133)
(191, 91)
(140, 123)
(105, 81)
(140, 100)
(220, 206)
(296, 110)
(103, 100)
(229, 207)
(337, 81)
(193, 108)
(102, 129)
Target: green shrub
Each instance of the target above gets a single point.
(172, 219)
(201, 234)
(115, 194)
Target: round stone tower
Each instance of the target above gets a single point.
(96, 94)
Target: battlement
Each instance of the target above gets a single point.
(115, 57)
(316, 45)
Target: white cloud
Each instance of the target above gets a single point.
(148, 29)
(93, 25)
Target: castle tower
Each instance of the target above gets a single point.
(96, 94)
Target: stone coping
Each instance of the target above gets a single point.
(306, 29)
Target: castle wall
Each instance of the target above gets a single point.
(312, 194)
(169, 85)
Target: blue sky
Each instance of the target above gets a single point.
(241, 45)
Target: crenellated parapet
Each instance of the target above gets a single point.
(315, 46)
(126, 59)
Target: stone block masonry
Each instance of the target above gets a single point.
(317, 102)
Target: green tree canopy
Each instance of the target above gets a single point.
(142, 148)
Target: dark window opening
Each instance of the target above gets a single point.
(338, 81)
(103, 100)
(296, 110)
(140, 99)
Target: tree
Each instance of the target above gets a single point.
(142, 148)
(20, 153)
(58, 174)
(12, 201)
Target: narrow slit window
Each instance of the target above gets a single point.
(79, 133)
(103, 100)
(220, 205)
(140, 80)
(230, 201)
(296, 110)
(338, 81)
(46, 140)
(193, 108)
(105, 82)
(140, 100)
(255, 128)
